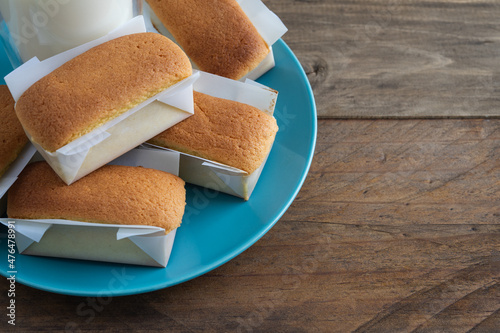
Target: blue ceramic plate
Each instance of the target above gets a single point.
(216, 227)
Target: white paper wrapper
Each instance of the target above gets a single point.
(138, 245)
(268, 24)
(214, 175)
(117, 136)
(10, 176)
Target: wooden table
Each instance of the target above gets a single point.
(397, 227)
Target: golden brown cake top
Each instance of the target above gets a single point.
(216, 34)
(112, 194)
(99, 85)
(225, 131)
(12, 136)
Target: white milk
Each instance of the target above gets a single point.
(44, 28)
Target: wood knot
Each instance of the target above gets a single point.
(316, 70)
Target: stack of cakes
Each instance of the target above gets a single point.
(86, 107)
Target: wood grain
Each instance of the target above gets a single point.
(397, 59)
(397, 229)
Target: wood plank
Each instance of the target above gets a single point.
(397, 59)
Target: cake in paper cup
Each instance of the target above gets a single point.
(122, 212)
(228, 38)
(12, 136)
(225, 144)
(85, 107)
(15, 149)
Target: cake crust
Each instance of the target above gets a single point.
(216, 34)
(99, 85)
(12, 136)
(113, 194)
(224, 131)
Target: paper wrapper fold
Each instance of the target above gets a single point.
(214, 175)
(10, 176)
(117, 136)
(129, 244)
(268, 24)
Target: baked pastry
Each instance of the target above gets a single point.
(224, 131)
(99, 85)
(113, 194)
(216, 34)
(12, 136)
